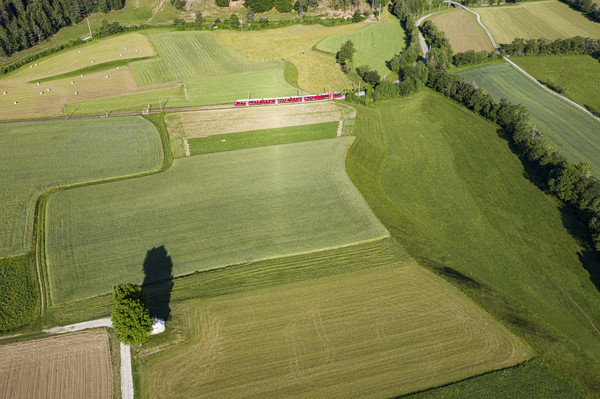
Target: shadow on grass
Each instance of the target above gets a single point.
(158, 282)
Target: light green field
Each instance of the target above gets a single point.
(540, 19)
(452, 192)
(569, 129)
(208, 211)
(261, 138)
(578, 74)
(375, 44)
(371, 333)
(39, 156)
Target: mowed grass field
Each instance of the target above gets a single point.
(207, 211)
(376, 333)
(569, 129)
(39, 156)
(540, 19)
(206, 123)
(261, 138)
(70, 366)
(375, 44)
(316, 71)
(455, 196)
(462, 29)
(578, 74)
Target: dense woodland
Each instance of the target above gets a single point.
(24, 23)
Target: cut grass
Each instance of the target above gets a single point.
(316, 71)
(206, 123)
(372, 333)
(462, 29)
(261, 138)
(578, 74)
(452, 192)
(540, 19)
(375, 44)
(207, 211)
(569, 129)
(39, 156)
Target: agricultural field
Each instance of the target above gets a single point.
(39, 156)
(375, 44)
(462, 29)
(384, 327)
(261, 138)
(578, 74)
(316, 71)
(206, 123)
(70, 366)
(455, 196)
(208, 211)
(569, 129)
(540, 19)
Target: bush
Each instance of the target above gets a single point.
(258, 5)
(234, 21)
(357, 17)
(368, 75)
(222, 3)
(283, 6)
(178, 4)
(199, 19)
(130, 317)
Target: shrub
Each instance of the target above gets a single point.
(283, 6)
(258, 5)
(234, 21)
(178, 4)
(222, 3)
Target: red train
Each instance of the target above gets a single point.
(288, 100)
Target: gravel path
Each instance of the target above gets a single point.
(126, 376)
(80, 326)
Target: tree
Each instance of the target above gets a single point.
(222, 3)
(283, 6)
(199, 17)
(346, 52)
(258, 5)
(234, 21)
(357, 17)
(130, 317)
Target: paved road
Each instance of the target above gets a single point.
(422, 41)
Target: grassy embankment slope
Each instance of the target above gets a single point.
(462, 29)
(571, 130)
(375, 44)
(540, 19)
(37, 157)
(578, 74)
(208, 212)
(451, 191)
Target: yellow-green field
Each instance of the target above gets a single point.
(543, 19)
(207, 123)
(370, 334)
(462, 29)
(316, 71)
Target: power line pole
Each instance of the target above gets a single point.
(379, 17)
(88, 21)
(65, 111)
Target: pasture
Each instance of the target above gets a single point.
(540, 19)
(578, 74)
(316, 71)
(455, 196)
(569, 129)
(384, 327)
(39, 156)
(206, 123)
(208, 212)
(375, 44)
(68, 367)
(261, 138)
(462, 29)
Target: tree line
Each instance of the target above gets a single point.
(572, 184)
(572, 45)
(24, 23)
(588, 7)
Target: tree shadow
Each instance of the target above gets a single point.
(158, 282)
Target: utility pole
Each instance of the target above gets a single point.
(430, 8)
(160, 104)
(88, 21)
(65, 111)
(242, 25)
(379, 17)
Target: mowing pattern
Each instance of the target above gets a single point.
(187, 54)
(67, 367)
(462, 29)
(393, 330)
(569, 129)
(375, 44)
(547, 19)
(208, 212)
(39, 156)
(206, 123)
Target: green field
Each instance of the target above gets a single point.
(40, 156)
(462, 30)
(261, 138)
(578, 74)
(374, 325)
(452, 192)
(375, 44)
(208, 211)
(534, 20)
(569, 129)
